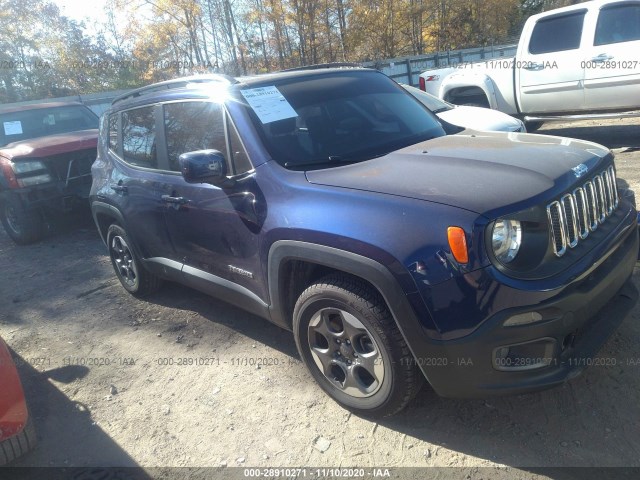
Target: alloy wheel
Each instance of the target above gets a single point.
(346, 353)
(123, 260)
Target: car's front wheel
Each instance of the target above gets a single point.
(24, 226)
(131, 273)
(353, 348)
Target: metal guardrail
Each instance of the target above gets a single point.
(407, 69)
(402, 70)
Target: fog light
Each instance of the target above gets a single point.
(523, 319)
(37, 180)
(524, 356)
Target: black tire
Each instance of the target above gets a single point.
(132, 275)
(18, 445)
(24, 226)
(533, 126)
(330, 306)
(477, 104)
(474, 101)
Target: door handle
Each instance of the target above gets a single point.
(174, 200)
(533, 66)
(119, 188)
(603, 57)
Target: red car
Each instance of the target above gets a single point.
(17, 435)
(46, 153)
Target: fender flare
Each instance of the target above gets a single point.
(348, 262)
(466, 80)
(98, 207)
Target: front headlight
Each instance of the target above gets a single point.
(30, 172)
(26, 166)
(506, 239)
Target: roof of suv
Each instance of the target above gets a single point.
(198, 83)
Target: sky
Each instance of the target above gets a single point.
(88, 10)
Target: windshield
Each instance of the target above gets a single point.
(40, 122)
(432, 103)
(337, 118)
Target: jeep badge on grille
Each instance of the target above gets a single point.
(580, 170)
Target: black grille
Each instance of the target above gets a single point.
(73, 167)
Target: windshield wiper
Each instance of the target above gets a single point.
(337, 160)
(332, 159)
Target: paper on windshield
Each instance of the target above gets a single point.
(13, 128)
(269, 104)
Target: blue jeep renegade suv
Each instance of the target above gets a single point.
(334, 204)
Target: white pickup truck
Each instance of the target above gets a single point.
(573, 63)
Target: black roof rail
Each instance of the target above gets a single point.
(320, 66)
(175, 83)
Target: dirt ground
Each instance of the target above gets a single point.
(181, 379)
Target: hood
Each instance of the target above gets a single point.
(51, 144)
(480, 172)
(478, 118)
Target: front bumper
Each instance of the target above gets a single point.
(575, 323)
(51, 196)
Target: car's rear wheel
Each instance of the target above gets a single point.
(23, 225)
(353, 348)
(129, 270)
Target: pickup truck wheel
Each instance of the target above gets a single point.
(533, 126)
(353, 348)
(131, 273)
(22, 225)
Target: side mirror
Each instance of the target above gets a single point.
(203, 166)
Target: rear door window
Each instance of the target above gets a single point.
(618, 23)
(139, 137)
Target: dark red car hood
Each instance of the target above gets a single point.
(51, 145)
